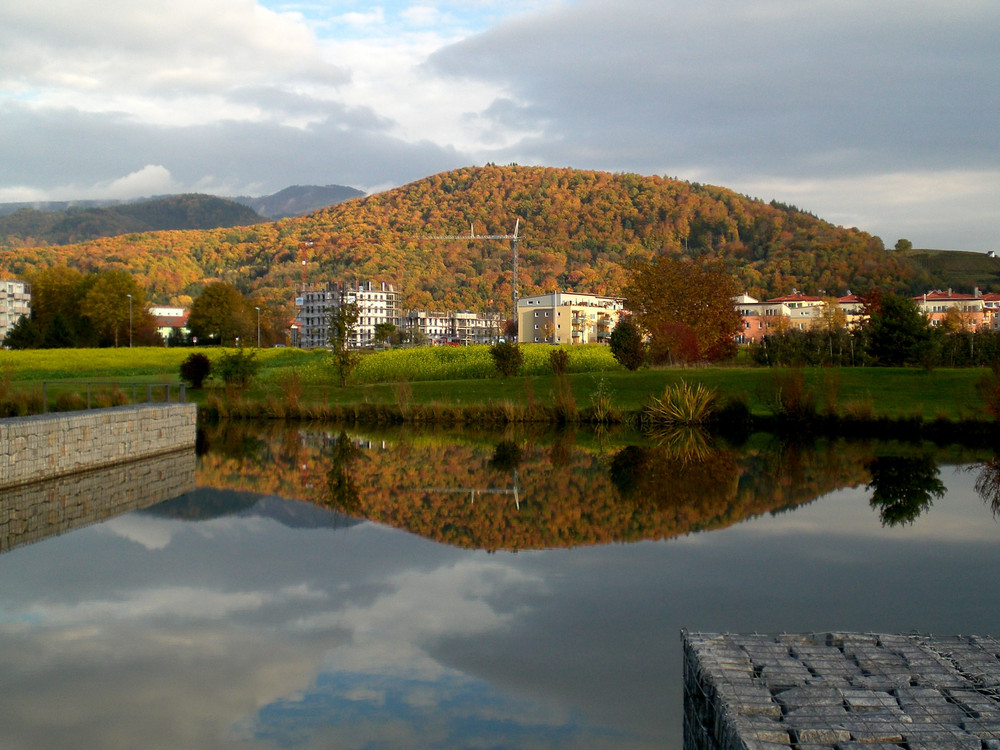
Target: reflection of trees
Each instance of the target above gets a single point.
(988, 483)
(342, 489)
(697, 489)
(903, 488)
(507, 456)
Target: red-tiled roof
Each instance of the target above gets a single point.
(171, 321)
(938, 294)
(798, 297)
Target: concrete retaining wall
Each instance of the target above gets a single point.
(42, 447)
(32, 512)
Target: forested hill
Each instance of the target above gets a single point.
(30, 226)
(579, 229)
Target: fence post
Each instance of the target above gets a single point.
(88, 395)
(182, 396)
(135, 398)
(149, 393)
(45, 398)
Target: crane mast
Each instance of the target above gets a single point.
(492, 237)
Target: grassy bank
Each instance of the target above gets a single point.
(449, 378)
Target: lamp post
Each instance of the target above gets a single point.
(258, 326)
(129, 320)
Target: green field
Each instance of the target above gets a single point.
(463, 376)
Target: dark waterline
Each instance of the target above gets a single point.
(231, 617)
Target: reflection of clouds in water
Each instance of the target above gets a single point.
(356, 710)
(155, 533)
(120, 686)
(152, 533)
(956, 517)
(172, 602)
(416, 607)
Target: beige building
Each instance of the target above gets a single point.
(15, 303)
(567, 318)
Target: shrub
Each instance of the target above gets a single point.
(195, 369)
(792, 399)
(507, 358)
(238, 369)
(627, 346)
(559, 360)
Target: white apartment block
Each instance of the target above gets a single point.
(448, 328)
(15, 303)
(567, 318)
(377, 303)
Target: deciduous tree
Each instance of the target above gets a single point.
(686, 307)
(220, 315)
(343, 320)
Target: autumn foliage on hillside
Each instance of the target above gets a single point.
(461, 491)
(580, 231)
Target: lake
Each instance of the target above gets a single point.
(396, 588)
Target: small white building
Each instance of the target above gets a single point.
(169, 319)
(15, 303)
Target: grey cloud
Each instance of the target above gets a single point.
(834, 84)
(79, 149)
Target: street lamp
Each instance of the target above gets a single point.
(258, 326)
(129, 320)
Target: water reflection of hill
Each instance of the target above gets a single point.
(526, 492)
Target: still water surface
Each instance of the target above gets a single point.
(513, 590)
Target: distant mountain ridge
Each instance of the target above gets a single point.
(299, 200)
(81, 223)
(68, 222)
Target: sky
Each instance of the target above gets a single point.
(884, 115)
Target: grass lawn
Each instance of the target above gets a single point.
(457, 376)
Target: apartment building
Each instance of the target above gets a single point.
(377, 303)
(567, 318)
(15, 303)
(449, 328)
(969, 309)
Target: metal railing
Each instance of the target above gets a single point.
(102, 394)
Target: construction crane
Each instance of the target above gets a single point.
(492, 237)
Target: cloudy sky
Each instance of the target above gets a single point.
(878, 115)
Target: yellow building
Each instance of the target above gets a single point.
(567, 318)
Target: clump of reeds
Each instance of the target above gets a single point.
(681, 404)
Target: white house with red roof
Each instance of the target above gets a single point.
(938, 305)
(169, 319)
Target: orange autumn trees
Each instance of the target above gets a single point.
(686, 307)
(580, 231)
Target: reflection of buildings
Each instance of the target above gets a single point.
(567, 318)
(15, 303)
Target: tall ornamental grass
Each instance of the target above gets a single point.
(456, 363)
(681, 404)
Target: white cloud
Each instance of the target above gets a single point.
(813, 96)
